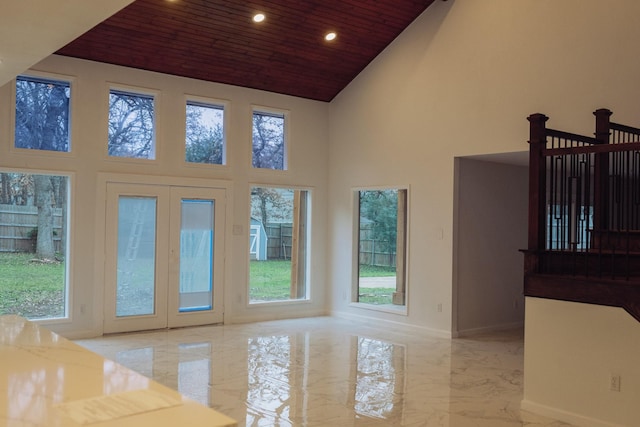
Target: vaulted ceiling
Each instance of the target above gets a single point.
(217, 40)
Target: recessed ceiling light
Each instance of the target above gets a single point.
(258, 17)
(330, 36)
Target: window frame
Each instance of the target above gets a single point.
(355, 263)
(40, 75)
(307, 252)
(69, 267)
(157, 122)
(286, 114)
(208, 102)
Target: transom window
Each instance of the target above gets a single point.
(205, 136)
(269, 150)
(42, 114)
(131, 125)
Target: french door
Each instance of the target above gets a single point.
(164, 256)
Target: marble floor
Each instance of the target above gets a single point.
(332, 372)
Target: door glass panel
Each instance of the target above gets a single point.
(135, 292)
(196, 255)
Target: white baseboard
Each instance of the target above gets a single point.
(390, 323)
(267, 317)
(488, 329)
(565, 416)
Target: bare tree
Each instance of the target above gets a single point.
(268, 141)
(131, 121)
(42, 123)
(268, 204)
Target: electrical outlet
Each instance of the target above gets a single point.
(440, 308)
(614, 382)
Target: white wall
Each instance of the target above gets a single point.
(571, 350)
(308, 134)
(490, 227)
(461, 81)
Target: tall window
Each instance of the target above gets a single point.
(131, 125)
(381, 255)
(42, 114)
(33, 245)
(269, 151)
(278, 244)
(205, 142)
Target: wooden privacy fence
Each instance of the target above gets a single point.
(17, 228)
(279, 237)
(373, 251)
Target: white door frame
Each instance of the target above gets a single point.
(100, 273)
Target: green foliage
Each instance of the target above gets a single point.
(205, 146)
(30, 288)
(381, 208)
(205, 134)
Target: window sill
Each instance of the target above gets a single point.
(385, 308)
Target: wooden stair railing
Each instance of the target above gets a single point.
(584, 214)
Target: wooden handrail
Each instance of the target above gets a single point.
(625, 128)
(606, 148)
(584, 214)
(573, 137)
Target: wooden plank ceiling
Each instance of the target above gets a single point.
(216, 40)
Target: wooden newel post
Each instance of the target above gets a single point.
(601, 172)
(537, 190)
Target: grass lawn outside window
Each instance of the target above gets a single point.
(31, 288)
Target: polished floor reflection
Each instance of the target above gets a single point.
(331, 372)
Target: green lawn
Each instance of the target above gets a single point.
(271, 281)
(36, 290)
(376, 271)
(30, 288)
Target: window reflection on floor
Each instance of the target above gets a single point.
(117, 378)
(194, 371)
(273, 379)
(138, 359)
(190, 376)
(379, 379)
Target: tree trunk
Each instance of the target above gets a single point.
(44, 202)
(61, 202)
(5, 189)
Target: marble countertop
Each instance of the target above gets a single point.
(47, 380)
